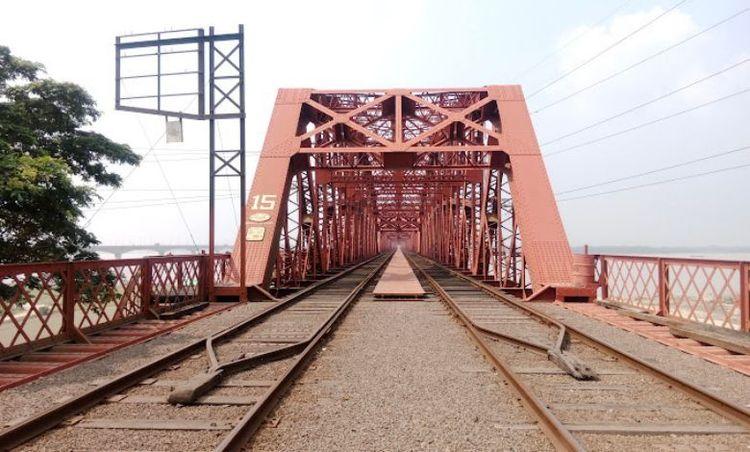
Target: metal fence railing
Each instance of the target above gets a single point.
(45, 303)
(713, 292)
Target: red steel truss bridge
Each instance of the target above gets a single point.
(455, 174)
(383, 194)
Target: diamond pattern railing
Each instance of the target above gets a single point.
(106, 291)
(175, 281)
(633, 281)
(31, 304)
(46, 303)
(713, 292)
(225, 272)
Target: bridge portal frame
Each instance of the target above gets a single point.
(345, 140)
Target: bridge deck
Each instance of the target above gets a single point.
(398, 279)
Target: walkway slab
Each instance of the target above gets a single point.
(398, 279)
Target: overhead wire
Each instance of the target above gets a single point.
(166, 179)
(648, 123)
(571, 41)
(607, 49)
(189, 150)
(122, 182)
(149, 150)
(166, 203)
(177, 204)
(164, 189)
(644, 60)
(181, 198)
(660, 182)
(649, 102)
(656, 170)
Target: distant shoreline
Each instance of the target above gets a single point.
(706, 252)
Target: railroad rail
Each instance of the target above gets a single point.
(59, 314)
(216, 400)
(621, 394)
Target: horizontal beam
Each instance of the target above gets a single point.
(177, 41)
(178, 114)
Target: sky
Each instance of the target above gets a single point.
(552, 48)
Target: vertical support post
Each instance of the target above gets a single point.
(69, 301)
(243, 210)
(663, 287)
(211, 164)
(201, 74)
(117, 73)
(158, 72)
(202, 276)
(146, 285)
(604, 277)
(744, 297)
(399, 129)
(180, 278)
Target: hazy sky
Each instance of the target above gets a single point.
(377, 44)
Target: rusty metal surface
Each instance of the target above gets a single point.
(49, 419)
(49, 303)
(557, 433)
(454, 173)
(714, 292)
(57, 358)
(717, 403)
(663, 335)
(398, 279)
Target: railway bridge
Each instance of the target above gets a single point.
(407, 270)
(453, 174)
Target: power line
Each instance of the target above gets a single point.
(189, 151)
(657, 170)
(122, 182)
(168, 203)
(164, 189)
(177, 204)
(638, 63)
(169, 186)
(639, 106)
(661, 182)
(149, 150)
(648, 123)
(607, 49)
(191, 159)
(568, 43)
(136, 201)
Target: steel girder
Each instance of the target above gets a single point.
(455, 174)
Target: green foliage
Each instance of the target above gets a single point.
(49, 165)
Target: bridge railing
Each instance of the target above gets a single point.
(46, 303)
(713, 292)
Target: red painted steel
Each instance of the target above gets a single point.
(662, 334)
(48, 303)
(713, 292)
(52, 359)
(398, 279)
(455, 174)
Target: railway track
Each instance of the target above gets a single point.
(585, 393)
(211, 394)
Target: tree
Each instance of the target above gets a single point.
(50, 164)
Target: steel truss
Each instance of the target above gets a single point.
(167, 80)
(453, 174)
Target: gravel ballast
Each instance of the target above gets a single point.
(400, 376)
(26, 400)
(714, 378)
